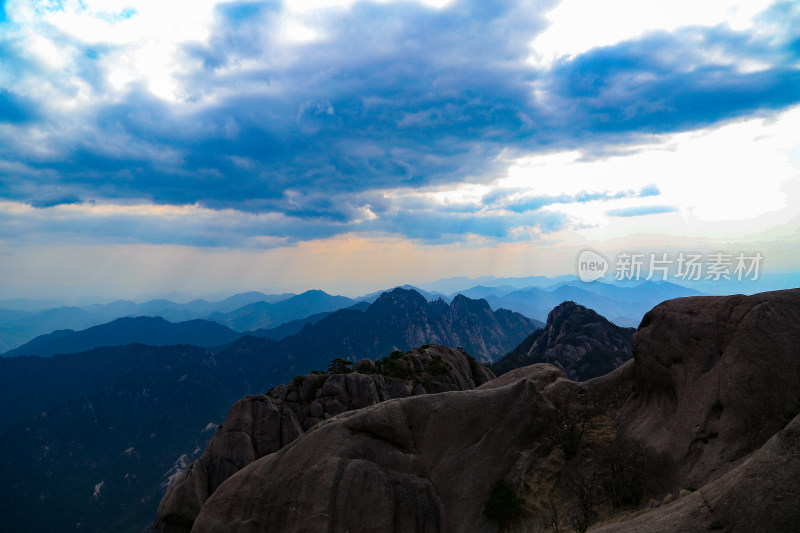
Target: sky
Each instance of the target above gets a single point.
(207, 147)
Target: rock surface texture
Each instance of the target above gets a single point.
(703, 405)
(259, 425)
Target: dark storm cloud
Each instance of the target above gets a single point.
(663, 83)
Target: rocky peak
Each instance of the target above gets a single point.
(259, 425)
(399, 298)
(568, 317)
(575, 339)
(461, 301)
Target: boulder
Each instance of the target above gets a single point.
(259, 425)
(418, 464)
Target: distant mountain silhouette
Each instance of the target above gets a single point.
(296, 326)
(260, 315)
(402, 319)
(23, 321)
(144, 330)
(17, 327)
(622, 305)
(430, 296)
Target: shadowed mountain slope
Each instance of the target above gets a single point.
(142, 330)
(576, 340)
(401, 319)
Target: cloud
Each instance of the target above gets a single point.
(640, 211)
(14, 109)
(521, 203)
(309, 132)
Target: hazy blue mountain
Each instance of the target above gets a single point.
(24, 304)
(480, 291)
(623, 305)
(154, 331)
(17, 327)
(112, 310)
(245, 298)
(296, 326)
(261, 315)
(454, 285)
(178, 312)
(430, 296)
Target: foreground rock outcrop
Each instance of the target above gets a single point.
(416, 464)
(259, 425)
(703, 405)
(713, 378)
(759, 495)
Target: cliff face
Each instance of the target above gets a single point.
(580, 342)
(259, 425)
(713, 377)
(711, 382)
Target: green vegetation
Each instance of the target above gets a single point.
(437, 366)
(312, 392)
(340, 366)
(394, 367)
(397, 364)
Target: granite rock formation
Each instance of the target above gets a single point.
(259, 425)
(703, 404)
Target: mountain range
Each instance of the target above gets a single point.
(88, 439)
(286, 314)
(154, 331)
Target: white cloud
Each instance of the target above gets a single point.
(146, 35)
(736, 172)
(580, 25)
